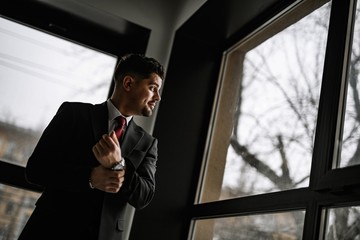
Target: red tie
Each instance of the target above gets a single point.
(119, 129)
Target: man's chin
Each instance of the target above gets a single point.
(147, 112)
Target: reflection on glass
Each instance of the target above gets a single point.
(38, 72)
(286, 225)
(350, 153)
(272, 142)
(342, 223)
(16, 206)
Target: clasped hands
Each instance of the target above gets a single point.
(108, 152)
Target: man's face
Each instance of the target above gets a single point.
(145, 94)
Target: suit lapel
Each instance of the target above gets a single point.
(131, 138)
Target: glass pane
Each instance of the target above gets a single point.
(272, 140)
(350, 154)
(38, 72)
(16, 206)
(343, 223)
(287, 225)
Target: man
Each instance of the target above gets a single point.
(87, 173)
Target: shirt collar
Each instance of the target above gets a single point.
(114, 112)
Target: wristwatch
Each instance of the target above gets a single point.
(119, 165)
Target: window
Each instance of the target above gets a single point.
(279, 124)
(350, 154)
(342, 223)
(287, 225)
(271, 127)
(39, 71)
(275, 118)
(16, 207)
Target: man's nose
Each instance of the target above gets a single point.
(157, 96)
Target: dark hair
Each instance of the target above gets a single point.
(138, 65)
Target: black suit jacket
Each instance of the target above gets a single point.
(62, 162)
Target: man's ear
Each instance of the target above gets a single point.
(128, 82)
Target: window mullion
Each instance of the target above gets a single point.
(332, 92)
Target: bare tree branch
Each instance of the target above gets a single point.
(259, 165)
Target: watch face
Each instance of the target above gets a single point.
(118, 166)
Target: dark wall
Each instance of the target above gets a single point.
(185, 110)
(184, 116)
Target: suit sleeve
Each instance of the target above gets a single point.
(140, 184)
(51, 164)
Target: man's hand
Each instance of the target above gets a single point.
(107, 180)
(107, 150)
